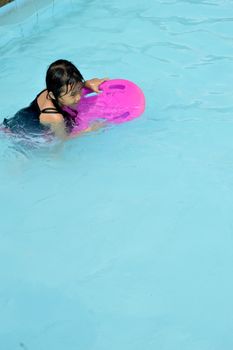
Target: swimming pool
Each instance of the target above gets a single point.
(121, 239)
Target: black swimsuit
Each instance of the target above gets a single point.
(27, 120)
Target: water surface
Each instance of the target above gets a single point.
(121, 239)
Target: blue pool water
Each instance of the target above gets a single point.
(122, 239)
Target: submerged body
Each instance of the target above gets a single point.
(68, 108)
(29, 120)
(120, 101)
(46, 114)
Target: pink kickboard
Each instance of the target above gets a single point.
(120, 101)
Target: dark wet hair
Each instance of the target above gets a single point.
(62, 73)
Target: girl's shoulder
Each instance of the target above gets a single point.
(44, 101)
(48, 112)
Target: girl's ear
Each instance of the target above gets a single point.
(51, 95)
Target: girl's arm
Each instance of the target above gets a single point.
(57, 126)
(93, 127)
(56, 123)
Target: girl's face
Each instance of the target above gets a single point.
(70, 96)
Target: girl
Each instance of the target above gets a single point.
(53, 110)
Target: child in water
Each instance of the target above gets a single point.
(53, 109)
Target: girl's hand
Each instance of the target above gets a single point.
(98, 124)
(93, 84)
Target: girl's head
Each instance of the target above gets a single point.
(64, 83)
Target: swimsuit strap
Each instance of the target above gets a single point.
(49, 110)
